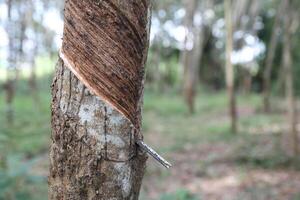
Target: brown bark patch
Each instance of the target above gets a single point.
(104, 42)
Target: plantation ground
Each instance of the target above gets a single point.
(208, 161)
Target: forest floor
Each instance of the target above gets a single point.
(209, 162)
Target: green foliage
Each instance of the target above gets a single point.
(260, 120)
(179, 195)
(163, 71)
(264, 152)
(23, 141)
(31, 119)
(296, 197)
(15, 179)
(164, 116)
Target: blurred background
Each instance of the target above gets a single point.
(221, 98)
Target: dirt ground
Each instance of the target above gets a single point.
(208, 172)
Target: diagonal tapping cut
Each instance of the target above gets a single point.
(96, 150)
(113, 72)
(105, 51)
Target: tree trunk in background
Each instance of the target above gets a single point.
(247, 81)
(33, 82)
(9, 88)
(188, 56)
(240, 10)
(269, 60)
(33, 87)
(93, 154)
(229, 67)
(289, 80)
(157, 72)
(9, 85)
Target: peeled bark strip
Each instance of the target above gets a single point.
(97, 97)
(105, 42)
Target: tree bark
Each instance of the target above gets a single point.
(229, 67)
(269, 60)
(93, 154)
(289, 79)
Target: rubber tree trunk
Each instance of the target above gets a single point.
(32, 82)
(97, 98)
(289, 80)
(229, 67)
(188, 60)
(269, 60)
(157, 72)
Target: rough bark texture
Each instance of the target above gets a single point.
(96, 111)
(229, 67)
(93, 153)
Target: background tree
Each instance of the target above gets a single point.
(271, 50)
(189, 55)
(9, 85)
(287, 57)
(229, 67)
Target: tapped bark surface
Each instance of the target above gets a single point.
(97, 98)
(93, 154)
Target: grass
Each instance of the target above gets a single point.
(30, 131)
(180, 194)
(46, 62)
(169, 114)
(165, 116)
